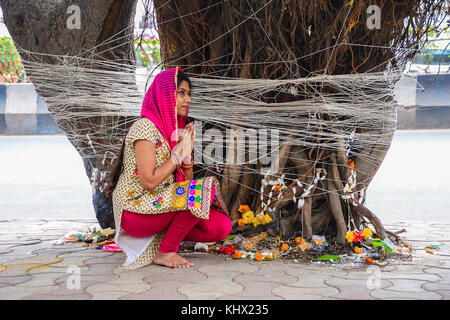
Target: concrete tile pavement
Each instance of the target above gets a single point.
(31, 268)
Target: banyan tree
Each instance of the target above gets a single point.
(293, 100)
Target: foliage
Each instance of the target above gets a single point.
(12, 70)
(147, 52)
(435, 47)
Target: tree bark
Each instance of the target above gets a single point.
(41, 27)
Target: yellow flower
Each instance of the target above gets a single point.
(350, 236)
(269, 256)
(248, 217)
(367, 233)
(256, 222)
(266, 218)
(358, 250)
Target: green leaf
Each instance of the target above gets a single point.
(327, 257)
(230, 237)
(387, 248)
(377, 243)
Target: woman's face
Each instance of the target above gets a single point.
(183, 98)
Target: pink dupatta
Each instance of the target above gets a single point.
(159, 107)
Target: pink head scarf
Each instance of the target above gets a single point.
(159, 107)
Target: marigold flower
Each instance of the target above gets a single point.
(256, 222)
(369, 261)
(358, 250)
(247, 245)
(243, 208)
(277, 187)
(241, 223)
(298, 240)
(268, 255)
(259, 256)
(351, 164)
(237, 255)
(367, 233)
(248, 217)
(265, 219)
(351, 236)
(284, 247)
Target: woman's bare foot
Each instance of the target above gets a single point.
(172, 260)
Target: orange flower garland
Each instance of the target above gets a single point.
(259, 256)
(247, 245)
(243, 208)
(276, 187)
(351, 164)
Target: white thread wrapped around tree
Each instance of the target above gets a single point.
(311, 70)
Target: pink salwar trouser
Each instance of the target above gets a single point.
(180, 225)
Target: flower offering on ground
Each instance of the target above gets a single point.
(249, 217)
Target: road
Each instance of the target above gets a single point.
(413, 182)
(43, 177)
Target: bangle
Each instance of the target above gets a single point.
(176, 158)
(192, 161)
(187, 166)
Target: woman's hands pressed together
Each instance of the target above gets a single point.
(185, 144)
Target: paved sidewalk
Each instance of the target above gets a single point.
(32, 268)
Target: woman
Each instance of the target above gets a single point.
(154, 211)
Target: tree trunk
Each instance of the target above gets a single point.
(291, 40)
(47, 28)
